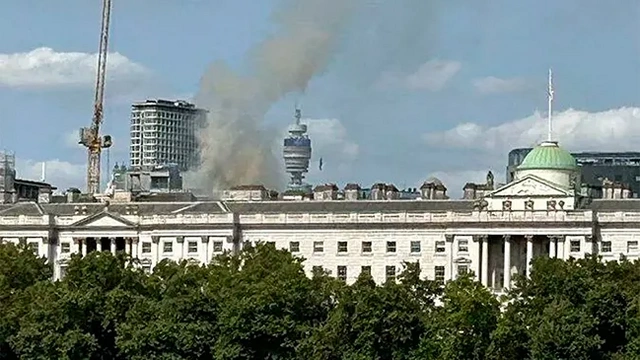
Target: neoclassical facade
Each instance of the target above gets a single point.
(494, 236)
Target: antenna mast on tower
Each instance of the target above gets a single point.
(550, 99)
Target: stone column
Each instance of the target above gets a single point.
(134, 247)
(507, 261)
(156, 241)
(477, 262)
(84, 247)
(78, 246)
(113, 246)
(529, 253)
(449, 240)
(552, 247)
(205, 242)
(485, 260)
(180, 240)
(560, 246)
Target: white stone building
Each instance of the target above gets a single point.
(495, 236)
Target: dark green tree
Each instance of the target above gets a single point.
(78, 316)
(20, 269)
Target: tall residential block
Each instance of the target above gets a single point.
(163, 132)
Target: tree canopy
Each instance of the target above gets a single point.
(260, 304)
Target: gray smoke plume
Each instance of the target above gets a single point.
(235, 147)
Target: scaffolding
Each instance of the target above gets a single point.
(7, 175)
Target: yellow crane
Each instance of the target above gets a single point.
(90, 136)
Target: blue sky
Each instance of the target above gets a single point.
(413, 88)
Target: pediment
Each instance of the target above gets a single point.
(530, 186)
(104, 219)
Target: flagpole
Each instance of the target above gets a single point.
(550, 99)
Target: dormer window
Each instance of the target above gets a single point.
(561, 204)
(551, 205)
(506, 205)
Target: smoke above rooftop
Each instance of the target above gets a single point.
(236, 147)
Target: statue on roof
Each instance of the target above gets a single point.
(490, 179)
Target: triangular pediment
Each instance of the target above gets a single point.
(104, 219)
(530, 186)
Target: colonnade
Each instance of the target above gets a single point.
(556, 249)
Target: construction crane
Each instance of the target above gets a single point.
(90, 136)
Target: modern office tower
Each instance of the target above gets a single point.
(297, 153)
(164, 132)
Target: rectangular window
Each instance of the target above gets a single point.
(440, 247)
(632, 246)
(65, 248)
(366, 246)
(390, 273)
(605, 246)
(318, 246)
(34, 246)
(415, 247)
(463, 269)
(463, 246)
(342, 246)
(391, 246)
(63, 271)
(574, 246)
(294, 246)
(167, 247)
(439, 273)
(217, 246)
(146, 247)
(342, 273)
(192, 247)
(366, 270)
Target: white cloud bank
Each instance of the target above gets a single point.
(329, 136)
(610, 130)
(433, 76)
(59, 173)
(44, 68)
(493, 85)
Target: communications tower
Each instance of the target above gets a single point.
(297, 153)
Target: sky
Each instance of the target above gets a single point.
(411, 88)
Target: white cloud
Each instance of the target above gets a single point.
(43, 68)
(329, 136)
(611, 130)
(61, 174)
(493, 85)
(433, 75)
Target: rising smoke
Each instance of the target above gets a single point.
(235, 146)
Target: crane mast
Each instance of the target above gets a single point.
(90, 136)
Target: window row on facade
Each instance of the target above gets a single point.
(192, 247)
(390, 271)
(391, 246)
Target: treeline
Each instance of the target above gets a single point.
(260, 305)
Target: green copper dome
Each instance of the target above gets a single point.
(548, 155)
